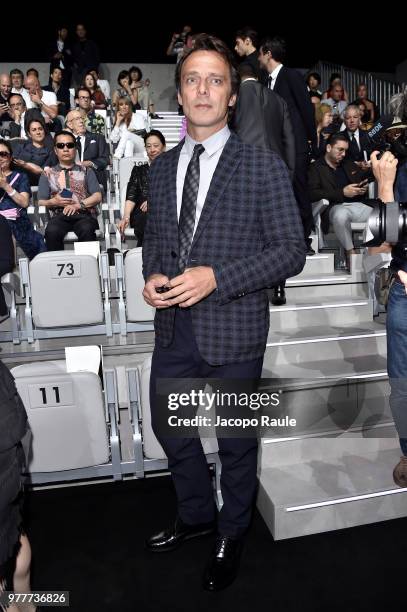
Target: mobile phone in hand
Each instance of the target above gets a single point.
(66, 193)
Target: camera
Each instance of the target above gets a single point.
(387, 223)
(387, 135)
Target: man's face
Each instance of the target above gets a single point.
(337, 152)
(84, 100)
(65, 155)
(337, 92)
(17, 81)
(205, 90)
(63, 34)
(5, 86)
(80, 32)
(16, 104)
(263, 58)
(75, 122)
(240, 47)
(352, 120)
(32, 84)
(56, 75)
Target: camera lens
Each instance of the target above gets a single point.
(388, 223)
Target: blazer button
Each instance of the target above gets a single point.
(174, 254)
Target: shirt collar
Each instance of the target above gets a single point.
(212, 144)
(275, 72)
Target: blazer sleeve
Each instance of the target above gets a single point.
(319, 188)
(282, 235)
(249, 125)
(288, 139)
(151, 241)
(304, 105)
(102, 160)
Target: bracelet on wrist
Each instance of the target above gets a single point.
(12, 193)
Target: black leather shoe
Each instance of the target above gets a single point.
(171, 538)
(310, 251)
(278, 297)
(223, 564)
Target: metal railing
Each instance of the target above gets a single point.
(379, 90)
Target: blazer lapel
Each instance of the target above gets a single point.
(227, 165)
(173, 159)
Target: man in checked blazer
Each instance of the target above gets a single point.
(245, 235)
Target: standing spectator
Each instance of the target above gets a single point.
(60, 90)
(129, 130)
(61, 56)
(124, 90)
(17, 79)
(178, 42)
(85, 53)
(246, 43)
(5, 91)
(136, 206)
(97, 97)
(94, 122)
(102, 83)
(15, 195)
(76, 213)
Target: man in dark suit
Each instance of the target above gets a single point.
(344, 184)
(360, 146)
(262, 119)
(222, 226)
(92, 149)
(246, 43)
(290, 85)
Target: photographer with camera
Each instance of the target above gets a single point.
(388, 227)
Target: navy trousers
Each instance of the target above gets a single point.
(186, 459)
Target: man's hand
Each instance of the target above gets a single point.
(143, 206)
(57, 200)
(403, 278)
(35, 98)
(190, 287)
(149, 292)
(353, 190)
(86, 164)
(71, 209)
(384, 171)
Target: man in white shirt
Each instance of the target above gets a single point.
(46, 101)
(17, 80)
(360, 146)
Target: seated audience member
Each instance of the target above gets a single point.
(313, 81)
(15, 195)
(97, 97)
(17, 80)
(60, 90)
(102, 83)
(124, 90)
(94, 122)
(337, 104)
(5, 92)
(128, 131)
(137, 188)
(71, 193)
(344, 184)
(325, 127)
(6, 261)
(15, 551)
(32, 72)
(92, 149)
(371, 114)
(359, 143)
(335, 79)
(37, 153)
(22, 117)
(46, 101)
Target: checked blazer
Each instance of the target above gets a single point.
(249, 232)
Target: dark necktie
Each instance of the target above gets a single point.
(67, 178)
(269, 81)
(355, 147)
(79, 147)
(186, 221)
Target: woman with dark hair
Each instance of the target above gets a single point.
(135, 208)
(97, 95)
(14, 199)
(313, 81)
(124, 90)
(37, 153)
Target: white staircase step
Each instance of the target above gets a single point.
(333, 278)
(325, 292)
(320, 263)
(335, 311)
(361, 366)
(331, 492)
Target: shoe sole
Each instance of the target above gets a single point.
(201, 534)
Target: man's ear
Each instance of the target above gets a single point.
(232, 100)
(179, 97)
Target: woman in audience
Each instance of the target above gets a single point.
(324, 121)
(137, 189)
(145, 101)
(124, 90)
(371, 111)
(15, 551)
(97, 95)
(129, 130)
(335, 80)
(14, 199)
(37, 153)
(313, 81)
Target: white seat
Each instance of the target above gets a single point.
(70, 423)
(11, 285)
(64, 295)
(317, 208)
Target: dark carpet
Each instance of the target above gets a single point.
(90, 540)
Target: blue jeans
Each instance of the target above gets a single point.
(400, 190)
(397, 359)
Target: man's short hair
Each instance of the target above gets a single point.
(314, 75)
(352, 107)
(83, 88)
(64, 133)
(206, 42)
(248, 32)
(16, 71)
(276, 46)
(17, 95)
(34, 70)
(246, 71)
(338, 137)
